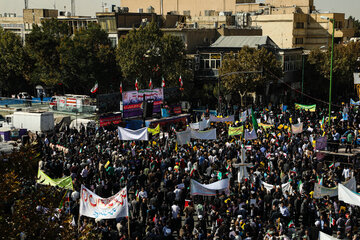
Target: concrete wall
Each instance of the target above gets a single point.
(278, 27)
(283, 3)
(196, 7)
(34, 15)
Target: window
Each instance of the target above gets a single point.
(299, 40)
(300, 25)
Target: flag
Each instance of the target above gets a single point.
(150, 84)
(332, 221)
(320, 181)
(300, 185)
(322, 123)
(95, 88)
(163, 83)
(254, 121)
(291, 224)
(228, 167)
(136, 85)
(219, 175)
(120, 87)
(176, 147)
(331, 165)
(63, 199)
(192, 170)
(181, 82)
(155, 130)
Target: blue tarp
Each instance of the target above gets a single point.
(21, 101)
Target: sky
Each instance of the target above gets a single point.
(90, 7)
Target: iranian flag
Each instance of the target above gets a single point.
(181, 82)
(150, 84)
(331, 165)
(332, 221)
(192, 170)
(291, 224)
(136, 85)
(163, 83)
(95, 88)
(120, 87)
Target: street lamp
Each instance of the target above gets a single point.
(331, 61)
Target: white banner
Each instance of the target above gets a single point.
(128, 134)
(93, 206)
(297, 128)
(183, 138)
(204, 135)
(321, 191)
(356, 78)
(200, 125)
(285, 187)
(348, 196)
(250, 135)
(217, 119)
(197, 188)
(324, 236)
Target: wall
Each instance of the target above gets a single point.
(34, 15)
(278, 27)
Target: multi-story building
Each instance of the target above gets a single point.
(290, 23)
(183, 7)
(10, 22)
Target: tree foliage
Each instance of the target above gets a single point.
(13, 68)
(147, 53)
(86, 58)
(260, 61)
(42, 45)
(26, 208)
(345, 63)
(356, 26)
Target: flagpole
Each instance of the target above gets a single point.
(129, 226)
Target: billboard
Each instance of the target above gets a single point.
(132, 101)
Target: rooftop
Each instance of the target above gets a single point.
(242, 41)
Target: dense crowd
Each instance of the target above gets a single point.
(157, 174)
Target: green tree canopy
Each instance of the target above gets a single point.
(345, 63)
(249, 69)
(147, 53)
(88, 58)
(13, 60)
(42, 45)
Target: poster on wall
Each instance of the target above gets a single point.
(132, 101)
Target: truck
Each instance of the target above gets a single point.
(32, 121)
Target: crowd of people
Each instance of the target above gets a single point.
(157, 175)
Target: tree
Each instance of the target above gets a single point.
(259, 66)
(26, 208)
(345, 63)
(147, 53)
(88, 58)
(42, 45)
(356, 26)
(12, 62)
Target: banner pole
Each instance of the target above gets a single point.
(129, 227)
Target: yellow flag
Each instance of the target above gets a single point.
(280, 126)
(176, 147)
(107, 164)
(290, 120)
(154, 131)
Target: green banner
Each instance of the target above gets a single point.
(236, 130)
(266, 126)
(310, 108)
(65, 182)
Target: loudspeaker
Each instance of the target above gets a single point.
(148, 108)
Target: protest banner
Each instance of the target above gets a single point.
(297, 128)
(321, 191)
(93, 206)
(65, 182)
(197, 188)
(222, 119)
(348, 196)
(233, 131)
(200, 125)
(204, 135)
(129, 135)
(310, 108)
